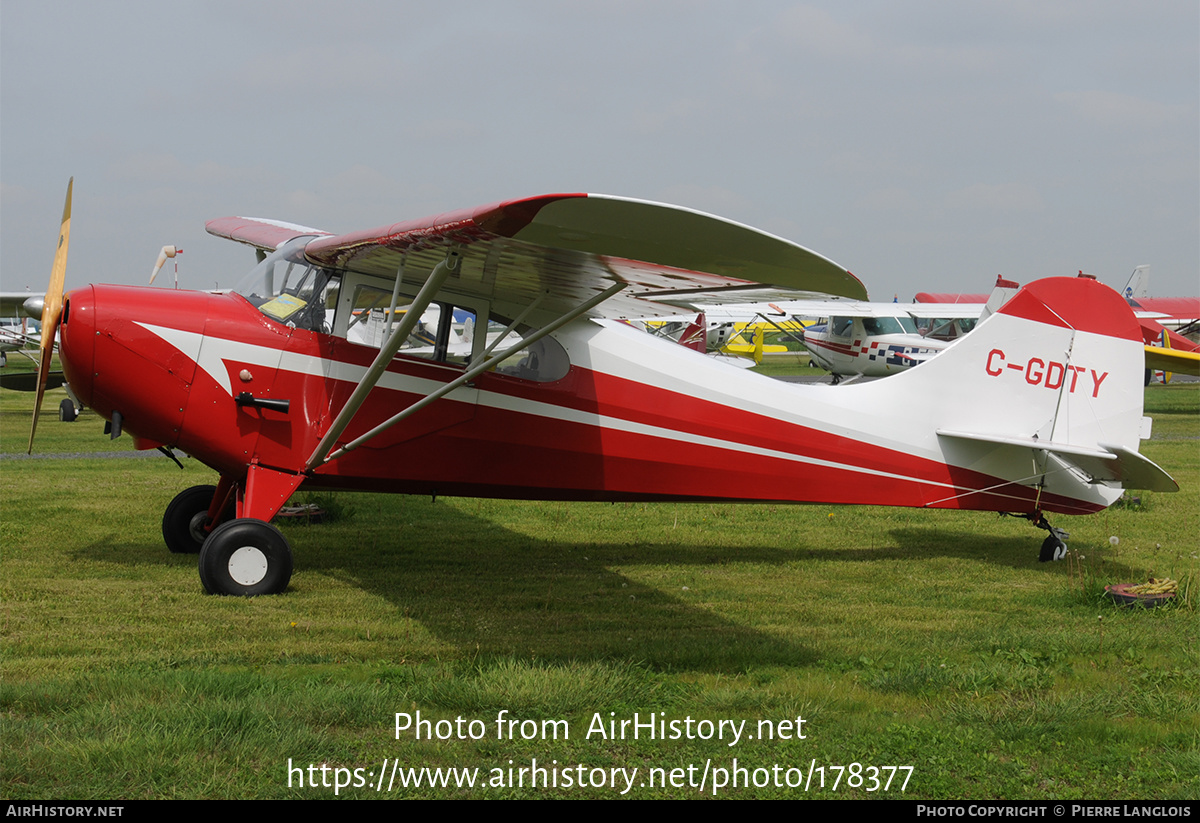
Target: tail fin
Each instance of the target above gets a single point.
(695, 336)
(1047, 394)
(1139, 283)
(1002, 292)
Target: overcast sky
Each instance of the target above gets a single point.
(923, 145)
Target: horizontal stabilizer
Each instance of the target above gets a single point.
(1111, 464)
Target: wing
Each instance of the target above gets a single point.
(12, 302)
(566, 248)
(1173, 360)
(944, 311)
(267, 235)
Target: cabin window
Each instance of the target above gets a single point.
(543, 361)
(889, 325)
(948, 329)
(444, 332)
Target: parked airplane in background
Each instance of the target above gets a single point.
(857, 339)
(15, 332)
(1173, 312)
(1164, 321)
(726, 329)
(1038, 410)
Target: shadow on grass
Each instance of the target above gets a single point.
(494, 591)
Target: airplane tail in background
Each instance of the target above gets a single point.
(695, 336)
(1002, 292)
(1139, 284)
(1047, 394)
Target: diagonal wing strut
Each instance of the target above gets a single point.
(482, 364)
(390, 346)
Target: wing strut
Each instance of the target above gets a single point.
(469, 375)
(390, 346)
(507, 331)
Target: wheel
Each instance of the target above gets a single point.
(1053, 548)
(66, 411)
(183, 521)
(245, 557)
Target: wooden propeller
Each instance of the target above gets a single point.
(52, 309)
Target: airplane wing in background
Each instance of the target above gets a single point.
(1173, 360)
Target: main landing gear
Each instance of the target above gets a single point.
(245, 557)
(241, 556)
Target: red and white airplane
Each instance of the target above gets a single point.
(1038, 410)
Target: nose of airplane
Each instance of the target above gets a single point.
(77, 342)
(116, 360)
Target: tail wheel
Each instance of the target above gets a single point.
(1053, 548)
(245, 557)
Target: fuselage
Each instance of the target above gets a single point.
(629, 417)
(844, 346)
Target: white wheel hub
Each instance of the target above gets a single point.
(248, 566)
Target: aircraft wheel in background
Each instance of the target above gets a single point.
(245, 557)
(66, 411)
(183, 521)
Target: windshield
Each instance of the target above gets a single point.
(889, 325)
(286, 287)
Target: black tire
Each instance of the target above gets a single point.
(183, 521)
(66, 411)
(1052, 549)
(245, 557)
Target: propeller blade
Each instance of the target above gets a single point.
(52, 309)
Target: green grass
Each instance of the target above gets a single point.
(902, 637)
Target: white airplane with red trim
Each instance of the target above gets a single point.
(1039, 410)
(856, 339)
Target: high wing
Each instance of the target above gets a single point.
(565, 249)
(547, 260)
(259, 232)
(858, 308)
(11, 302)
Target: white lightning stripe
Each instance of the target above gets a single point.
(210, 354)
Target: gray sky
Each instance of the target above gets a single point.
(923, 145)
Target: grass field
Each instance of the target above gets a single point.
(902, 638)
